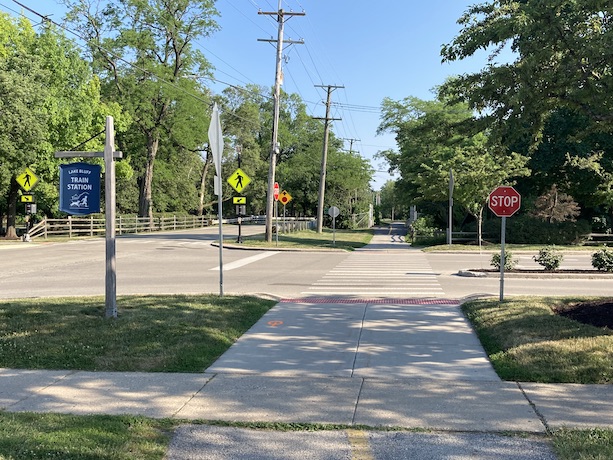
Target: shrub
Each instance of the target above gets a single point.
(603, 260)
(525, 229)
(509, 261)
(549, 257)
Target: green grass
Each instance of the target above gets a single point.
(67, 437)
(593, 444)
(30, 436)
(347, 240)
(527, 342)
(151, 333)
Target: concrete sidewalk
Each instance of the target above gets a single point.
(411, 403)
(360, 363)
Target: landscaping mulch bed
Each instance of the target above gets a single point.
(598, 313)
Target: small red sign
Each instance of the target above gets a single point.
(276, 191)
(504, 201)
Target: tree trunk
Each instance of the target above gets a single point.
(205, 170)
(11, 217)
(145, 205)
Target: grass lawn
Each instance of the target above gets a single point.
(347, 240)
(151, 334)
(67, 437)
(594, 444)
(110, 437)
(526, 341)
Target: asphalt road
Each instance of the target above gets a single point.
(186, 262)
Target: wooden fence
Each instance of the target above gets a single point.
(90, 226)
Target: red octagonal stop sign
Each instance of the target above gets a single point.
(504, 201)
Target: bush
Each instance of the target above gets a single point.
(509, 261)
(603, 260)
(530, 230)
(424, 226)
(549, 257)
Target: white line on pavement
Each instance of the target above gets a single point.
(246, 261)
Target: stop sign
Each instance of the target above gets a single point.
(504, 201)
(275, 193)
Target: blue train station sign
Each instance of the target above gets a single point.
(80, 188)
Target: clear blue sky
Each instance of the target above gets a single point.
(381, 49)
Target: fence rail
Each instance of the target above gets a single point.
(95, 226)
(74, 227)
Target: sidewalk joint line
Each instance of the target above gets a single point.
(357, 348)
(37, 392)
(538, 413)
(174, 414)
(357, 401)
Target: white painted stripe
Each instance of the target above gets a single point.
(382, 270)
(382, 274)
(246, 261)
(383, 289)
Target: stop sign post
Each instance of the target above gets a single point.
(504, 201)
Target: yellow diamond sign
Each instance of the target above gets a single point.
(239, 180)
(284, 197)
(27, 179)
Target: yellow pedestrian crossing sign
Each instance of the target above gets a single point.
(27, 180)
(239, 180)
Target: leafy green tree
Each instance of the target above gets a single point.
(562, 59)
(145, 52)
(49, 101)
(432, 139)
(391, 202)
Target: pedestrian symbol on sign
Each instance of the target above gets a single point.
(239, 180)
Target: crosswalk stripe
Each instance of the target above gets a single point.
(393, 272)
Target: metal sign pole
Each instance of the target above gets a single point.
(503, 231)
(220, 213)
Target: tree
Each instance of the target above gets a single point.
(144, 51)
(563, 56)
(49, 101)
(555, 206)
(23, 120)
(433, 139)
(392, 205)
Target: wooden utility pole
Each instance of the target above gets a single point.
(324, 156)
(274, 148)
(351, 141)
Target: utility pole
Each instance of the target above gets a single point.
(274, 149)
(324, 156)
(351, 141)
